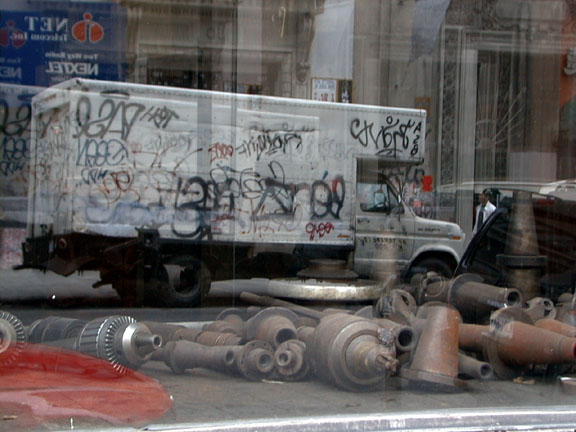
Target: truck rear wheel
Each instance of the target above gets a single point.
(183, 282)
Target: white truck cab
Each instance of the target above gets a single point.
(390, 237)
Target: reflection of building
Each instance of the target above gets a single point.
(248, 46)
(489, 76)
(496, 76)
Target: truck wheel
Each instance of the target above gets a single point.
(440, 266)
(183, 282)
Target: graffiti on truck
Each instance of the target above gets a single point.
(150, 163)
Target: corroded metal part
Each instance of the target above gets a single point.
(305, 334)
(404, 336)
(521, 344)
(183, 355)
(120, 340)
(471, 336)
(566, 309)
(540, 308)
(435, 360)
(522, 262)
(328, 269)
(327, 280)
(51, 329)
(430, 287)
(235, 317)
(221, 326)
(398, 305)
(557, 327)
(274, 325)
(290, 360)
(329, 290)
(503, 316)
(476, 300)
(513, 343)
(474, 368)
(254, 360)
(271, 301)
(365, 312)
(351, 352)
(171, 332)
(12, 338)
(218, 339)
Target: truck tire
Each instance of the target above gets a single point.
(438, 265)
(183, 282)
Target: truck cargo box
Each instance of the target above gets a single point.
(110, 158)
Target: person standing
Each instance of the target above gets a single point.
(484, 210)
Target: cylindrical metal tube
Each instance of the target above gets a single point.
(182, 355)
(522, 344)
(557, 327)
(404, 336)
(474, 368)
(470, 336)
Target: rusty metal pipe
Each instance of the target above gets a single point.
(404, 336)
(478, 299)
(183, 355)
(470, 336)
(557, 327)
(172, 332)
(474, 368)
(522, 344)
(218, 339)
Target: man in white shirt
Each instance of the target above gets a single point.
(484, 210)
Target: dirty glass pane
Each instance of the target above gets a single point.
(223, 214)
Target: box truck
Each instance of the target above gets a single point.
(163, 190)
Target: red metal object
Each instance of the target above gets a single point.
(47, 384)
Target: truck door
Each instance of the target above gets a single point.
(384, 240)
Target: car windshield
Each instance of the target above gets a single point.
(281, 214)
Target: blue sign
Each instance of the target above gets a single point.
(44, 46)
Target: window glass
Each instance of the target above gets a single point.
(325, 212)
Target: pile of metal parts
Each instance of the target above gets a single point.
(433, 332)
